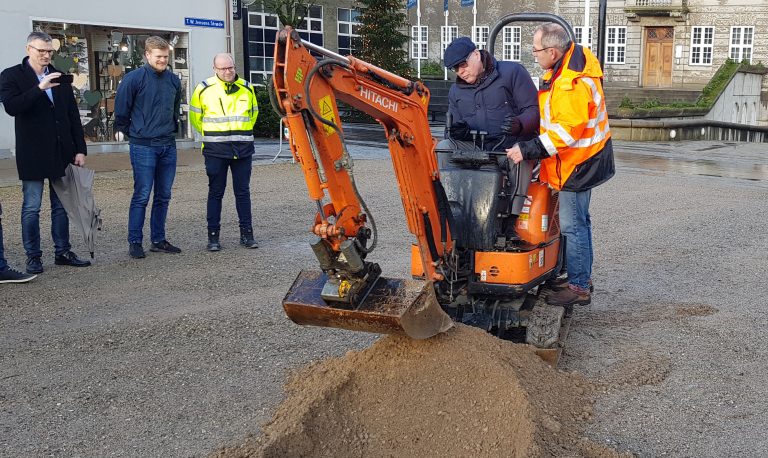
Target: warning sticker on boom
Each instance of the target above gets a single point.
(327, 113)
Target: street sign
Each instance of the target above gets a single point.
(200, 22)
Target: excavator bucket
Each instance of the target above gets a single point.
(393, 306)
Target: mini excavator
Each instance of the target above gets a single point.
(455, 196)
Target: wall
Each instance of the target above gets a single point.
(203, 42)
(740, 101)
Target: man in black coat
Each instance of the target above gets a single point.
(49, 137)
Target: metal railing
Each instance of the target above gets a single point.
(654, 3)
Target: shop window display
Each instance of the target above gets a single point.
(99, 57)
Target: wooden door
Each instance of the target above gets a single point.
(657, 65)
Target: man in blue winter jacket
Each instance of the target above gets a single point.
(498, 98)
(146, 111)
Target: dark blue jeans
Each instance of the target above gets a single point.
(3, 262)
(153, 166)
(216, 169)
(576, 226)
(30, 219)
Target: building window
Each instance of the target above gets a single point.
(511, 37)
(262, 31)
(311, 29)
(579, 32)
(447, 35)
(480, 36)
(741, 43)
(701, 45)
(419, 42)
(616, 45)
(349, 29)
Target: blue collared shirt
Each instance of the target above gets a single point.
(40, 78)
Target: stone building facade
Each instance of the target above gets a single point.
(650, 43)
(674, 44)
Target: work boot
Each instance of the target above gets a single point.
(246, 238)
(213, 241)
(572, 295)
(562, 282)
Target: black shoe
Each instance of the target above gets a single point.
(136, 251)
(70, 259)
(34, 265)
(246, 238)
(164, 247)
(10, 275)
(213, 241)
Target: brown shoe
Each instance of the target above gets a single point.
(562, 282)
(569, 296)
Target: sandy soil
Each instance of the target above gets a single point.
(181, 355)
(463, 393)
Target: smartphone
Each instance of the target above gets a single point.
(64, 79)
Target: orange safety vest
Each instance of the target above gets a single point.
(574, 122)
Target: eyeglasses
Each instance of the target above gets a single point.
(463, 64)
(456, 68)
(42, 51)
(534, 50)
(226, 69)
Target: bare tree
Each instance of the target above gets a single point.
(290, 12)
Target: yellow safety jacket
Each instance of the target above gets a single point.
(224, 113)
(574, 124)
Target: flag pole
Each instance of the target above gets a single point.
(418, 28)
(446, 37)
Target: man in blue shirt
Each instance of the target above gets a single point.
(146, 111)
(49, 137)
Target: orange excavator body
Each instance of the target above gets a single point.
(450, 281)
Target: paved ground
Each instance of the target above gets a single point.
(175, 355)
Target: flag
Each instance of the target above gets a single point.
(411, 4)
(445, 5)
(467, 2)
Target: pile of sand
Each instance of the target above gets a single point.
(464, 393)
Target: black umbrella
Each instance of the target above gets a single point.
(75, 191)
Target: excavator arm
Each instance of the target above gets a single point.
(350, 291)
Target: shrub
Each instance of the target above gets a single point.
(626, 103)
(268, 122)
(431, 68)
(718, 82)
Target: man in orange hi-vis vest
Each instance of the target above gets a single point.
(574, 144)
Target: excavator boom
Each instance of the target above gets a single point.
(349, 291)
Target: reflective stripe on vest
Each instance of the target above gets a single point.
(222, 119)
(598, 124)
(227, 138)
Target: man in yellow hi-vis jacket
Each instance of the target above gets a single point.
(574, 144)
(224, 110)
